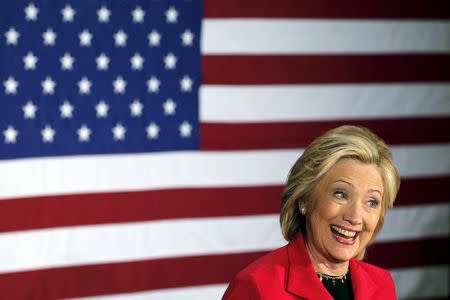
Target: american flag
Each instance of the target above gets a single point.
(144, 144)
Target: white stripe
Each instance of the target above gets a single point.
(109, 173)
(137, 241)
(422, 160)
(220, 103)
(413, 222)
(174, 238)
(261, 36)
(205, 292)
(423, 282)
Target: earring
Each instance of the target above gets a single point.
(302, 209)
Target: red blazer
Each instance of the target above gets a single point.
(287, 273)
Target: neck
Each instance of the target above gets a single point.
(323, 265)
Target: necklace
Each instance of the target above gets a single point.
(333, 279)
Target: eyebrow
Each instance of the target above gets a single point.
(344, 181)
(376, 191)
(351, 184)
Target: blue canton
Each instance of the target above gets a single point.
(98, 77)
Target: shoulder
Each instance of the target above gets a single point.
(268, 271)
(272, 264)
(376, 272)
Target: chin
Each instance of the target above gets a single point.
(343, 253)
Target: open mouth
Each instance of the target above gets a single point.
(344, 236)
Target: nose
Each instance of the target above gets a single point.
(353, 213)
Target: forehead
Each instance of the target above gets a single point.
(354, 172)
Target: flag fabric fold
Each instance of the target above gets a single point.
(144, 145)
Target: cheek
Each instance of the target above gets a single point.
(317, 223)
(371, 224)
(329, 210)
(322, 216)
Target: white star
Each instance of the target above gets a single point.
(136, 108)
(153, 84)
(120, 38)
(48, 134)
(102, 109)
(85, 38)
(12, 36)
(48, 86)
(119, 132)
(169, 107)
(67, 61)
(136, 61)
(187, 38)
(68, 13)
(49, 37)
(84, 133)
(138, 15)
(30, 61)
(171, 15)
(10, 85)
(152, 131)
(29, 110)
(31, 12)
(102, 62)
(119, 85)
(66, 110)
(10, 135)
(84, 86)
(185, 129)
(103, 14)
(186, 84)
(154, 38)
(170, 61)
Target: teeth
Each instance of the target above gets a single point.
(344, 232)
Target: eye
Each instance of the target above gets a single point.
(340, 194)
(373, 203)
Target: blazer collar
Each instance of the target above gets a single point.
(302, 280)
(363, 284)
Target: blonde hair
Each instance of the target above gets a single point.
(345, 142)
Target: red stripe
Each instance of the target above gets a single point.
(287, 135)
(148, 275)
(85, 209)
(325, 9)
(409, 253)
(55, 211)
(414, 191)
(113, 278)
(295, 69)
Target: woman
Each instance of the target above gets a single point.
(333, 206)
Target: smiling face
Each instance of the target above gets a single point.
(346, 207)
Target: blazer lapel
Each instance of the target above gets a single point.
(363, 285)
(302, 280)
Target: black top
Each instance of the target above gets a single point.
(340, 289)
